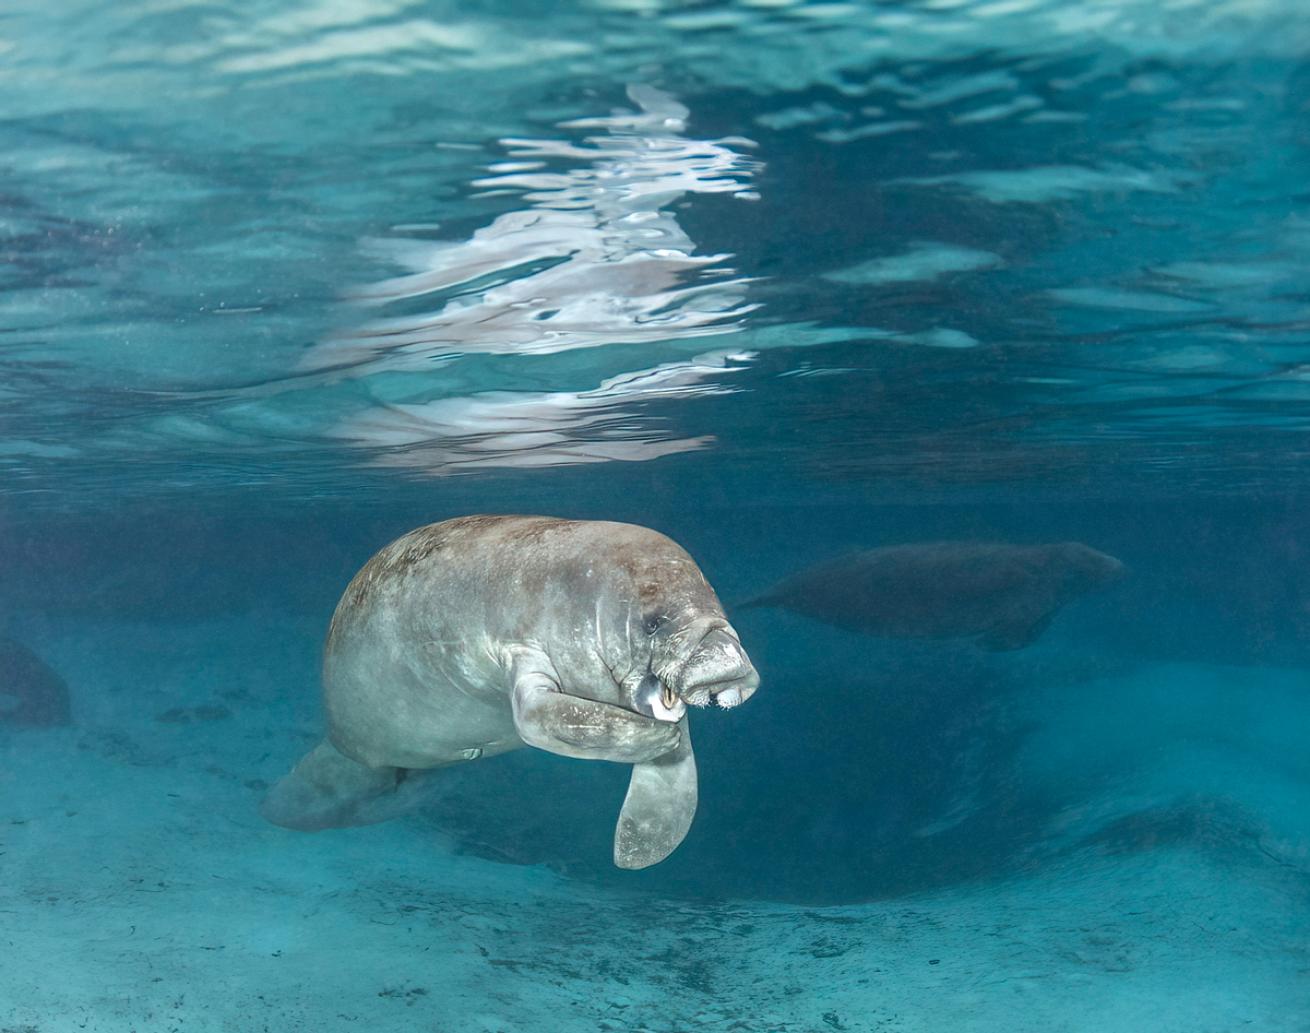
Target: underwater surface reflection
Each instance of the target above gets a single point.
(970, 243)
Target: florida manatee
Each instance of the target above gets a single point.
(1003, 595)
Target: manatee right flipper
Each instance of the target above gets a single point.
(328, 790)
(659, 807)
(1016, 634)
(585, 729)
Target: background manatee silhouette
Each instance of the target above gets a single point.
(30, 692)
(1006, 595)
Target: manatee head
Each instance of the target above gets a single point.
(701, 664)
(1082, 568)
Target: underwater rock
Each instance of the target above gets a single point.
(475, 636)
(1005, 595)
(186, 715)
(30, 692)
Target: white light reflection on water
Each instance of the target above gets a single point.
(547, 428)
(596, 258)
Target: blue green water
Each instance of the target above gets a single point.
(283, 280)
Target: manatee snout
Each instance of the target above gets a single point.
(1086, 568)
(1104, 569)
(718, 673)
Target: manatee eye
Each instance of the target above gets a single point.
(652, 624)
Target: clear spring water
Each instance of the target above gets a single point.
(282, 280)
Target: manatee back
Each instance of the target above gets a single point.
(928, 590)
(484, 566)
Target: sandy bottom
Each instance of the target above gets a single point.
(141, 892)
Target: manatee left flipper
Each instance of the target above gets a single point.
(659, 807)
(572, 726)
(1016, 634)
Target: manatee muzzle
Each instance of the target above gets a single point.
(717, 673)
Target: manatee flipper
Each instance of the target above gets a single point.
(328, 790)
(756, 602)
(1016, 634)
(581, 728)
(659, 807)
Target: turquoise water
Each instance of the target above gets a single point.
(282, 281)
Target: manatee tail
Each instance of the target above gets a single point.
(328, 790)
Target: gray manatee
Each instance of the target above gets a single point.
(475, 636)
(1005, 595)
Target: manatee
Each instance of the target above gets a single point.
(475, 636)
(1003, 595)
(30, 692)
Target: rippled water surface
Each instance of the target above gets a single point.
(323, 248)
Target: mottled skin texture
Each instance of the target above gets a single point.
(476, 636)
(1005, 595)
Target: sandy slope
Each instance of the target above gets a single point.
(141, 892)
